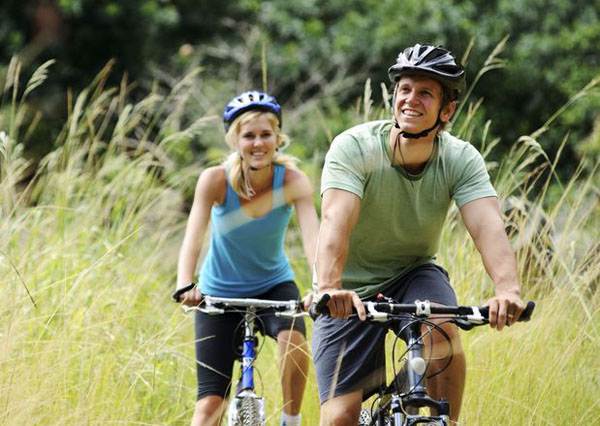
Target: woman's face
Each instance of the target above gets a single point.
(257, 142)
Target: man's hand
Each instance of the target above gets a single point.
(307, 300)
(341, 303)
(505, 309)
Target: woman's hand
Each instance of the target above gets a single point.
(191, 297)
(188, 295)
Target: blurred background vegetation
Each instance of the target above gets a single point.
(110, 109)
(315, 56)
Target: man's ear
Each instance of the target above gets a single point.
(448, 111)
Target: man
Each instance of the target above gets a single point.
(386, 189)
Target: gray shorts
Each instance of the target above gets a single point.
(350, 354)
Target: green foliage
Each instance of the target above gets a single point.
(88, 250)
(317, 53)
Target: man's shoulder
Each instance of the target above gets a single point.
(362, 134)
(454, 147)
(368, 128)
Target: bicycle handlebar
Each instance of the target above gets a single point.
(218, 305)
(466, 316)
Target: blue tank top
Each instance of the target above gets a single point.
(246, 256)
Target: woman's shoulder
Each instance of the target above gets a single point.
(213, 183)
(293, 174)
(215, 172)
(296, 184)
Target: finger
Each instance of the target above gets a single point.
(336, 307)
(503, 314)
(307, 301)
(197, 296)
(514, 311)
(493, 313)
(191, 298)
(359, 306)
(343, 305)
(518, 310)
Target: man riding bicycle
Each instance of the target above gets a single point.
(386, 188)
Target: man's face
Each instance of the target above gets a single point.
(418, 102)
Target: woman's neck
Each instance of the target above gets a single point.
(262, 179)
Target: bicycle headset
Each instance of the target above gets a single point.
(430, 61)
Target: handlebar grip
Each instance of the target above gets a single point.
(319, 308)
(176, 296)
(525, 315)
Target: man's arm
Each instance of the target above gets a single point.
(339, 213)
(484, 222)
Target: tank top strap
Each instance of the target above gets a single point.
(278, 186)
(232, 201)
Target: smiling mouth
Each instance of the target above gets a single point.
(411, 113)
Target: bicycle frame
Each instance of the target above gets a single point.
(246, 407)
(398, 407)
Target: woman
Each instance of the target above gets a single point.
(248, 200)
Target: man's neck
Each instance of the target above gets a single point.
(412, 154)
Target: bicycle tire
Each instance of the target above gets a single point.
(365, 417)
(249, 412)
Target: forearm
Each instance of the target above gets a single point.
(310, 248)
(309, 227)
(499, 259)
(331, 257)
(186, 265)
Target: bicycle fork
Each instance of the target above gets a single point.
(247, 407)
(248, 353)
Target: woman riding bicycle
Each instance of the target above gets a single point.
(248, 199)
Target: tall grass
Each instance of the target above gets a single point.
(88, 245)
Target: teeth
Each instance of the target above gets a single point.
(411, 113)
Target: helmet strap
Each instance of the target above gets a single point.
(421, 134)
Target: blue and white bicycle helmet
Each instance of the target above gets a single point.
(435, 62)
(252, 100)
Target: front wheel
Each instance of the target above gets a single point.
(246, 411)
(367, 419)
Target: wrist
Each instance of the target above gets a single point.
(326, 288)
(514, 289)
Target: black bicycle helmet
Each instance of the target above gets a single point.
(435, 62)
(252, 100)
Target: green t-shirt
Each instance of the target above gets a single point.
(401, 215)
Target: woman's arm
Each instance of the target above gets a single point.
(300, 192)
(210, 189)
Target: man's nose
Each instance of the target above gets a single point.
(410, 97)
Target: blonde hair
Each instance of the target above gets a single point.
(237, 171)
